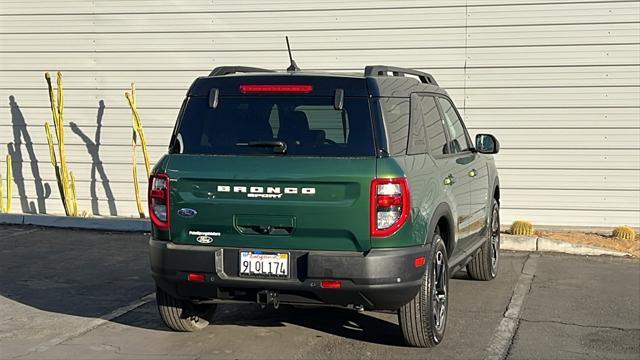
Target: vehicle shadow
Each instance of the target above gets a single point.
(73, 272)
(370, 327)
(89, 274)
(366, 326)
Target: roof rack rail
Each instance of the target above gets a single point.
(226, 70)
(384, 70)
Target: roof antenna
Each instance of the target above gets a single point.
(293, 66)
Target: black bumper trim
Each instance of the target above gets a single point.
(378, 279)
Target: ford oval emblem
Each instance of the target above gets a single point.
(203, 239)
(186, 212)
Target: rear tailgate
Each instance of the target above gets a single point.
(271, 202)
(273, 162)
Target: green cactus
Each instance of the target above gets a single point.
(522, 227)
(624, 232)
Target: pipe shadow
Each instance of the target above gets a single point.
(22, 138)
(93, 147)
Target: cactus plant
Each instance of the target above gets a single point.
(624, 232)
(65, 178)
(138, 133)
(6, 208)
(522, 227)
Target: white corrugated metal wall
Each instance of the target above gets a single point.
(557, 81)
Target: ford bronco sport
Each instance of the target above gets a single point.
(361, 191)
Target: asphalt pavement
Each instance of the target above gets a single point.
(72, 294)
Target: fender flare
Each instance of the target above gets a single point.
(443, 210)
(496, 186)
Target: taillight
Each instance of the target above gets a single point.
(390, 205)
(159, 200)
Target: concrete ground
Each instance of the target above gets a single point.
(81, 294)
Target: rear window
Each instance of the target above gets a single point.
(309, 126)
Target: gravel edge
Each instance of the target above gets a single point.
(535, 243)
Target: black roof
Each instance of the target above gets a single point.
(380, 80)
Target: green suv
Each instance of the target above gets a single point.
(363, 191)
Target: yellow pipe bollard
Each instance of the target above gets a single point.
(138, 133)
(1, 201)
(136, 187)
(65, 178)
(137, 125)
(6, 208)
(134, 161)
(9, 184)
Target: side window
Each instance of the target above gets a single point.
(435, 129)
(417, 136)
(396, 118)
(456, 130)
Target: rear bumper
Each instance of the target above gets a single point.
(379, 279)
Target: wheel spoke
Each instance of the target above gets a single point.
(439, 302)
(495, 240)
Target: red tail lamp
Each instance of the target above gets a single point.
(195, 277)
(331, 284)
(276, 89)
(159, 200)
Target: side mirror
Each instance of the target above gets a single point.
(487, 144)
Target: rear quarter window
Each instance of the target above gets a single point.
(395, 112)
(437, 139)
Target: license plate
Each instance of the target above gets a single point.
(261, 264)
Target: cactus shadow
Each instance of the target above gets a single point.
(22, 141)
(93, 147)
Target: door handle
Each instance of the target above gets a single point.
(473, 173)
(449, 180)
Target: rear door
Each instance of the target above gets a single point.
(232, 187)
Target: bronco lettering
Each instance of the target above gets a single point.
(269, 192)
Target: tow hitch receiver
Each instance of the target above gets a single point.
(266, 297)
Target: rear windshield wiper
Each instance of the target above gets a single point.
(277, 145)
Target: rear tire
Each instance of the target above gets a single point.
(484, 265)
(183, 315)
(424, 319)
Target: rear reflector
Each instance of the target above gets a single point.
(330, 284)
(276, 89)
(420, 261)
(196, 277)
